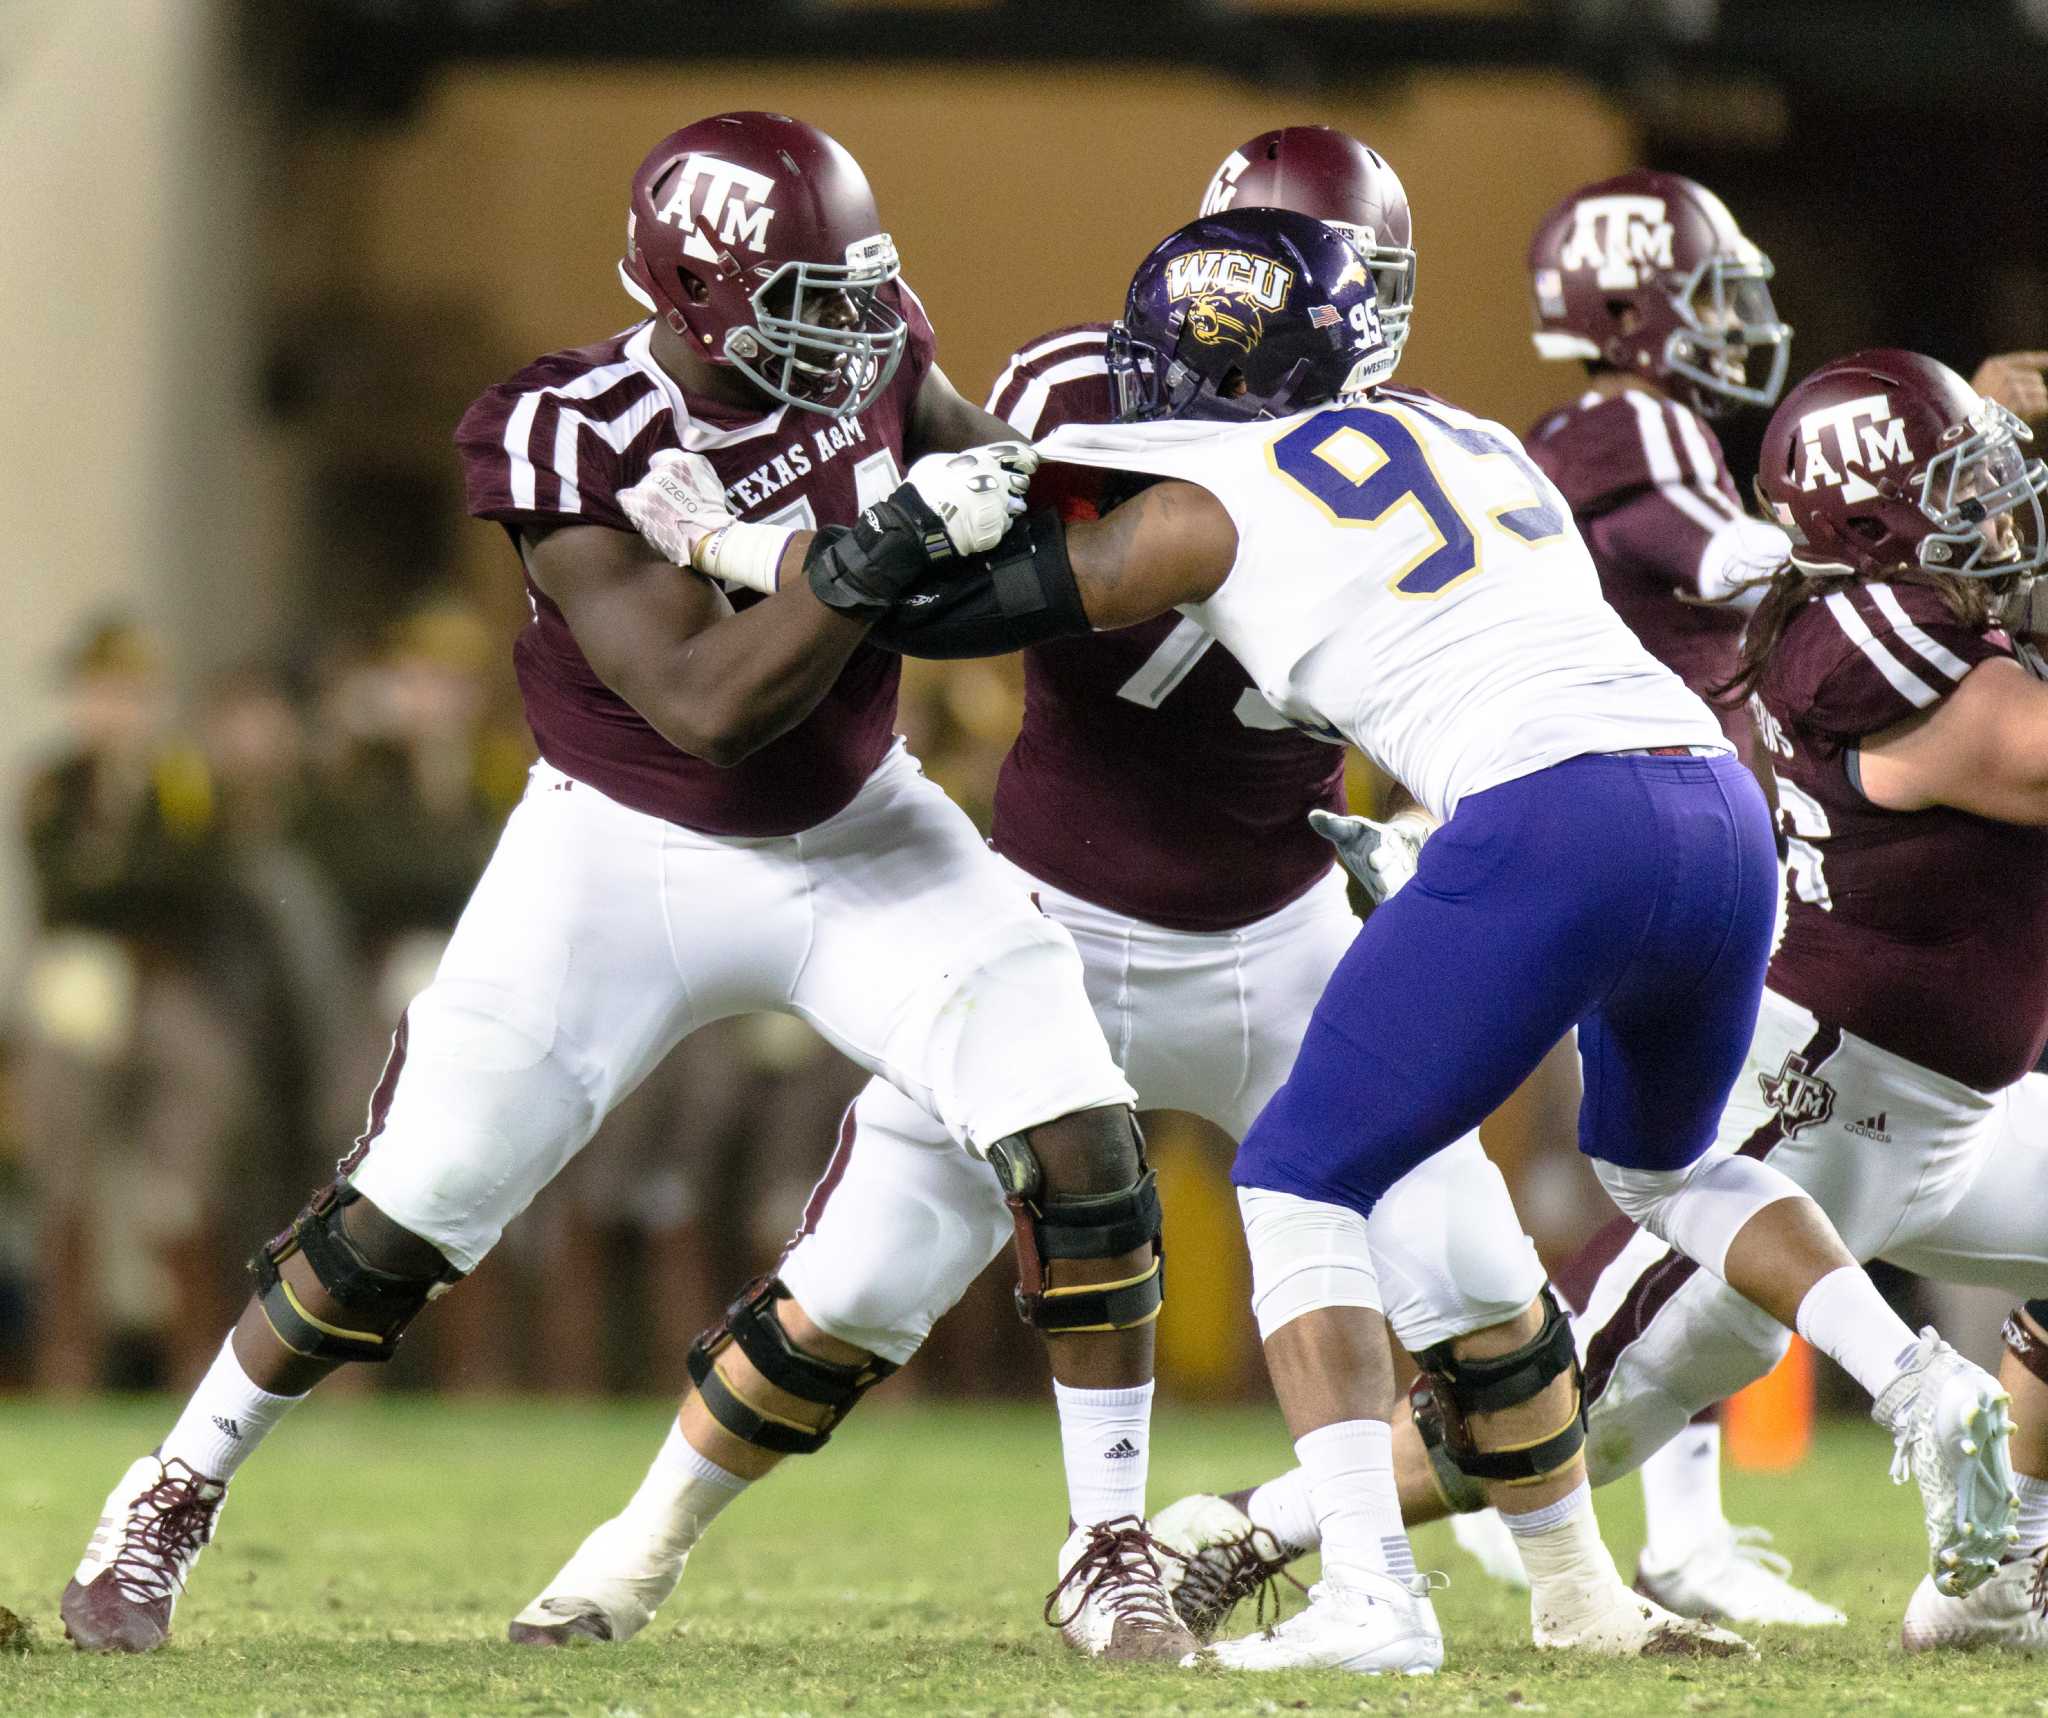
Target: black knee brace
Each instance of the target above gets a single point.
(751, 1325)
(379, 1303)
(1455, 1389)
(1081, 1226)
(2021, 1342)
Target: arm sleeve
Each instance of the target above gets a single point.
(1020, 593)
(1681, 538)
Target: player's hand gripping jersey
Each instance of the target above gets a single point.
(555, 445)
(1149, 775)
(1924, 931)
(1408, 580)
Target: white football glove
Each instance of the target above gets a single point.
(976, 493)
(1382, 856)
(677, 504)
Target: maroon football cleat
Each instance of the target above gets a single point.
(155, 1524)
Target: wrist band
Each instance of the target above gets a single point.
(743, 554)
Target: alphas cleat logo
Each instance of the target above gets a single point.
(1801, 1099)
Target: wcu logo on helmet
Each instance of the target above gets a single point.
(1252, 313)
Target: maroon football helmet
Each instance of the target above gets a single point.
(754, 236)
(1333, 178)
(1648, 273)
(1885, 460)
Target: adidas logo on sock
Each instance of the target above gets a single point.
(1122, 1450)
(228, 1426)
(1872, 1127)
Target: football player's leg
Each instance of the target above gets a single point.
(1661, 1055)
(900, 1224)
(1994, 1236)
(932, 968)
(1451, 995)
(499, 1073)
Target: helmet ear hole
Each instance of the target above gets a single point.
(1627, 318)
(693, 288)
(1869, 529)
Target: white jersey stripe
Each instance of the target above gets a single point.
(1656, 434)
(1902, 679)
(1031, 403)
(1704, 471)
(1693, 505)
(1936, 656)
(519, 433)
(1031, 354)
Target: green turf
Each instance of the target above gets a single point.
(373, 1553)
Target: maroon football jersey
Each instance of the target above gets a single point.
(556, 444)
(1925, 932)
(1150, 776)
(1649, 488)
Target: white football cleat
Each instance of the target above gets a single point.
(151, 1530)
(1214, 1558)
(2009, 1610)
(1952, 1425)
(1111, 1600)
(1376, 1625)
(608, 1591)
(1735, 1578)
(1611, 1622)
(1485, 1537)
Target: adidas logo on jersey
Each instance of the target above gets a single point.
(1122, 1450)
(1871, 1127)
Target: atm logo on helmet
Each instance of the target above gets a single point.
(713, 196)
(1232, 274)
(1621, 237)
(1856, 432)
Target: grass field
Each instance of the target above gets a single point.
(371, 1556)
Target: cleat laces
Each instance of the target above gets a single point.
(166, 1528)
(1249, 1566)
(1119, 1567)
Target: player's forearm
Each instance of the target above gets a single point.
(724, 693)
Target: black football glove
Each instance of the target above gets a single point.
(866, 568)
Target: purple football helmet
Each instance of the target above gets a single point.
(1253, 313)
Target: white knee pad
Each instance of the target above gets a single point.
(1701, 1208)
(1306, 1255)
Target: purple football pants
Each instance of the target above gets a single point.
(1627, 895)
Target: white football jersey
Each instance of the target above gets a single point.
(1408, 580)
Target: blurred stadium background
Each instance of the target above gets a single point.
(255, 694)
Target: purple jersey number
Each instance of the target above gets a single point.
(1360, 464)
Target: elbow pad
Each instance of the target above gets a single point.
(1021, 592)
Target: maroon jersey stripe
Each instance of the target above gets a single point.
(380, 1099)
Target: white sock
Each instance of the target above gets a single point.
(1350, 1469)
(681, 1495)
(1845, 1317)
(1285, 1508)
(1561, 1547)
(1682, 1496)
(2033, 1516)
(1106, 1436)
(225, 1420)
